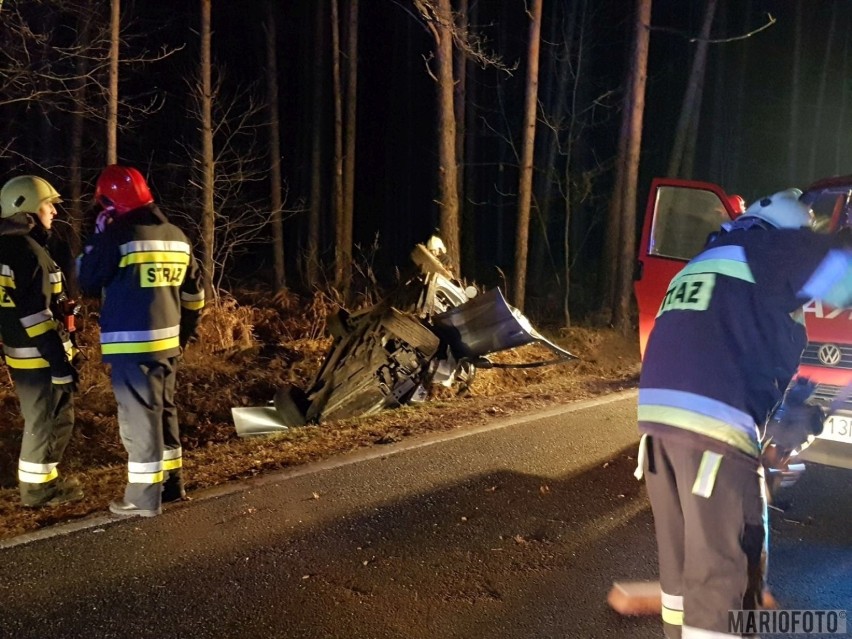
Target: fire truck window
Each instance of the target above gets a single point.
(683, 219)
(831, 211)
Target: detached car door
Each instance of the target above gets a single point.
(679, 216)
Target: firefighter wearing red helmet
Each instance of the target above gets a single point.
(122, 189)
(36, 345)
(152, 297)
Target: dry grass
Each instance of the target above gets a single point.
(247, 350)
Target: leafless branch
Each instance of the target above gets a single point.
(241, 209)
(770, 21)
(467, 41)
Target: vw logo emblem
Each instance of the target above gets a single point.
(829, 354)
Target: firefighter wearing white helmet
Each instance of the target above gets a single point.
(783, 210)
(726, 343)
(36, 345)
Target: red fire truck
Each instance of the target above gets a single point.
(679, 217)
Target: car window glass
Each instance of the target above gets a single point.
(831, 210)
(683, 219)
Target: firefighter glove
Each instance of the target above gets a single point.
(793, 425)
(103, 220)
(188, 332)
(50, 345)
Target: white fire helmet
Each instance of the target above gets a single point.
(783, 210)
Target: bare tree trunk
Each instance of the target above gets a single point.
(349, 139)
(312, 269)
(459, 105)
(342, 257)
(795, 98)
(468, 142)
(692, 134)
(633, 127)
(720, 145)
(691, 100)
(275, 198)
(208, 223)
(612, 237)
(816, 138)
(528, 146)
(554, 104)
(112, 105)
(448, 192)
(577, 29)
(75, 206)
(738, 107)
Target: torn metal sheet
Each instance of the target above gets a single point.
(257, 420)
(487, 324)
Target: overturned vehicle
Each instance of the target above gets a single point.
(430, 330)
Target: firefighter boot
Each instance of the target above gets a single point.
(124, 508)
(173, 488)
(140, 500)
(61, 491)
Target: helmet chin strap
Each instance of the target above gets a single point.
(746, 223)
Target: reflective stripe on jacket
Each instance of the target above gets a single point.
(31, 287)
(151, 285)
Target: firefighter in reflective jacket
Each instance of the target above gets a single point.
(725, 345)
(152, 298)
(36, 346)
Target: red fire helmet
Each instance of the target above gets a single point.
(122, 188)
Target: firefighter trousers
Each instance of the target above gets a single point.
(711, 527)
(148, 424)
(48, 423)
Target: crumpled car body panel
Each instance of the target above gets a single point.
(429, 330)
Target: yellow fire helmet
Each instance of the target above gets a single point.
(25, 194)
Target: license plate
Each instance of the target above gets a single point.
(838, 428)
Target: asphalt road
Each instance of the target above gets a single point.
(513, 530)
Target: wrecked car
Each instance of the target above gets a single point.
(430, 330)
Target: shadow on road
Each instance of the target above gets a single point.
(499, 554)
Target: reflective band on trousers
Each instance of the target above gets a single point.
(639, 473)
(172, 459)
(32, 473)
(145, 472)
(672, 609)
(707, 471)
